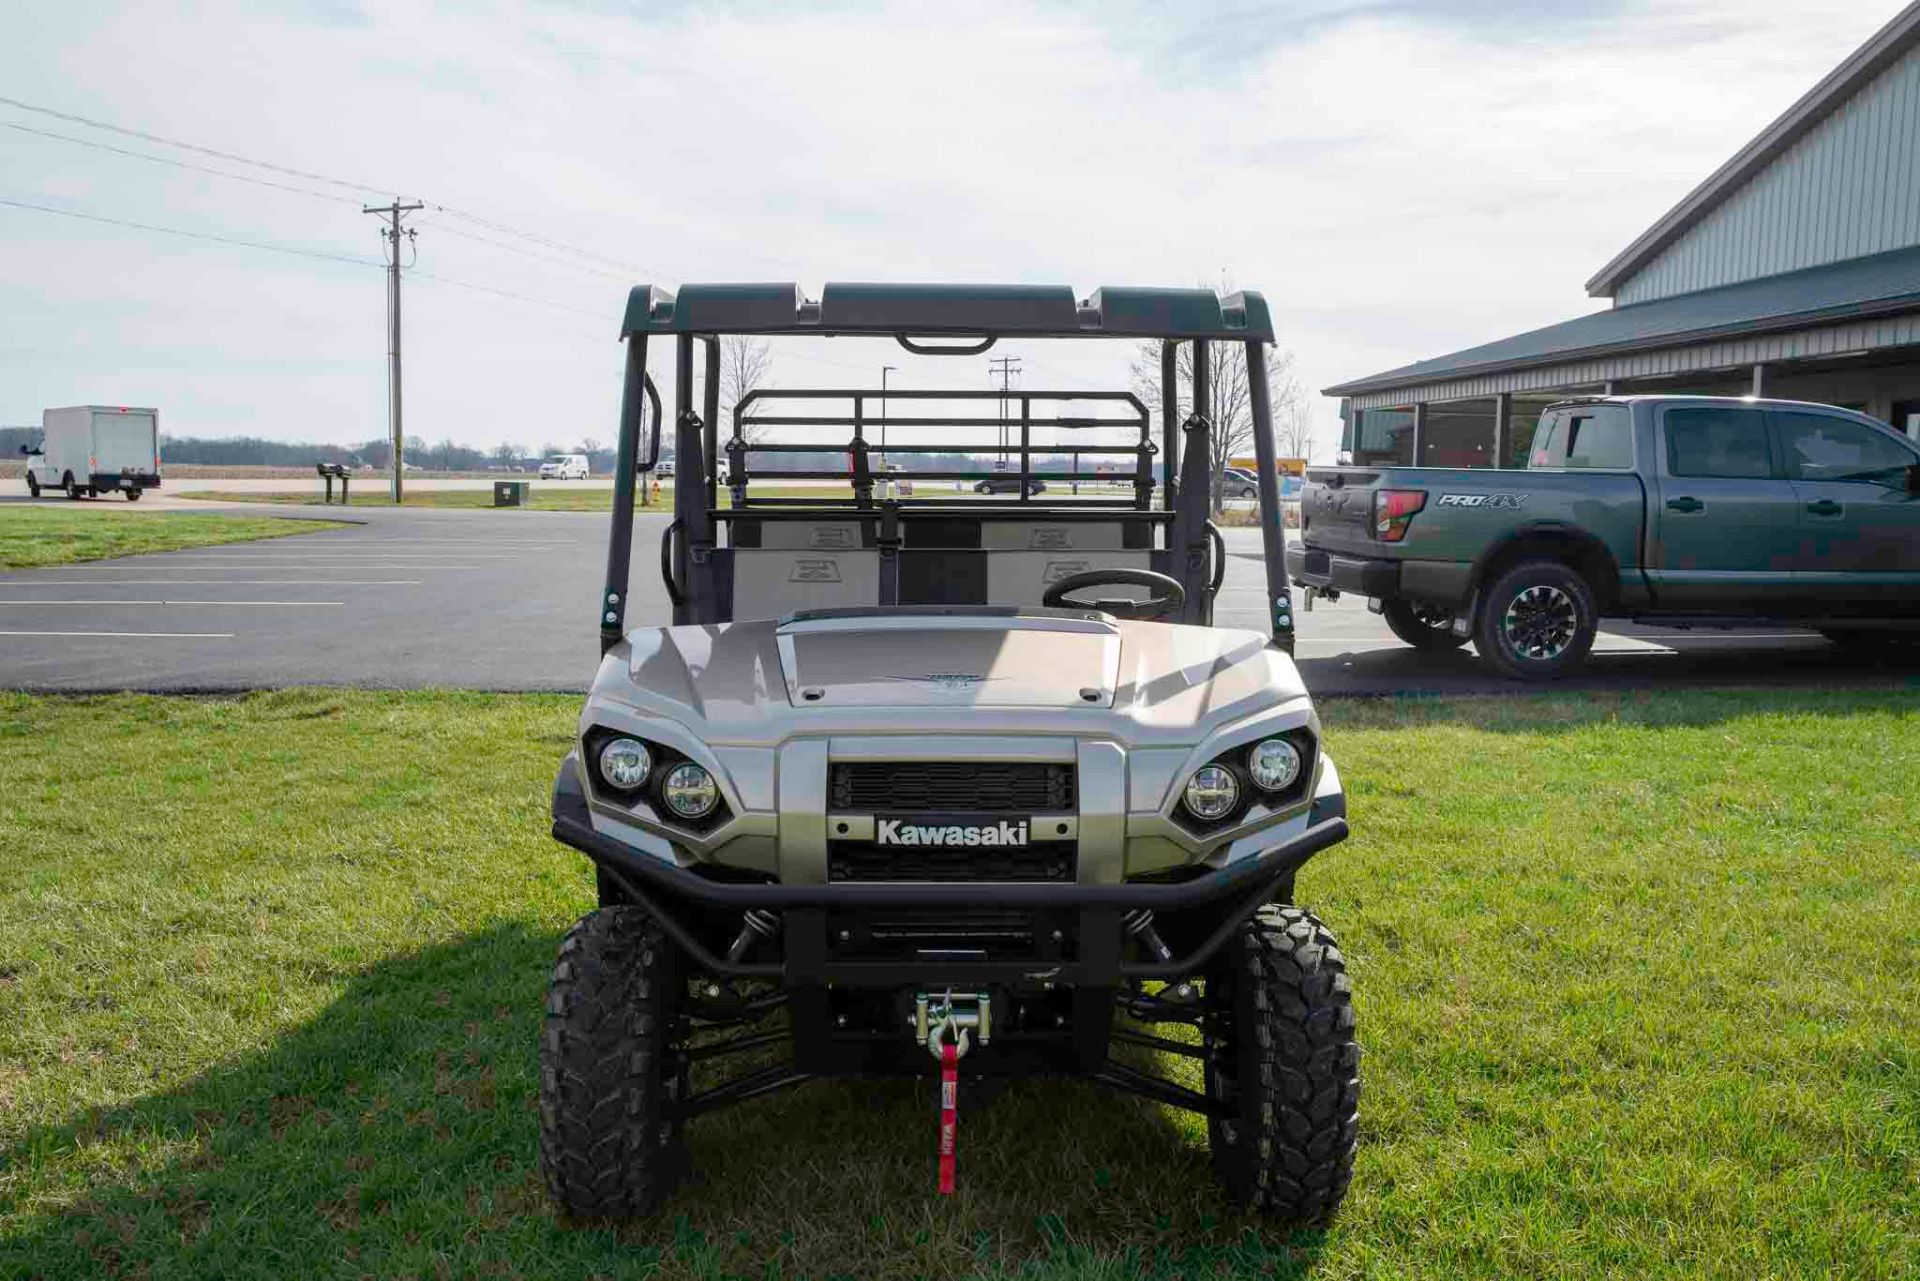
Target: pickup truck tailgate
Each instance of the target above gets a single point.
(1336, 509)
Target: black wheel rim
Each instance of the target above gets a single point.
(1540, 622)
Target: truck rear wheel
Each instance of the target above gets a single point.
(133, 495)
(1537, 621)
(1284, 1059)
(73, 490)
(611, 1076)
(1421, 626)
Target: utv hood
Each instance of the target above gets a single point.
(979, 670)
(950, 659)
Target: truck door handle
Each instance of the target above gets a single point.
(1825, 507)
(1686, 504)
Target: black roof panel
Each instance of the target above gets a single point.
(1034, 310)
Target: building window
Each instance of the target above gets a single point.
(1525, 411)
(1383, 437)
(1460, 433)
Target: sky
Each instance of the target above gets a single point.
(1399, 179)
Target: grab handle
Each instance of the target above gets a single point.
(674, 593)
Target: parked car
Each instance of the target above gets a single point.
(1238, 482)
(1008, 484)
(1670, 510)
(86, 450)
(664, 467)
(564, 467)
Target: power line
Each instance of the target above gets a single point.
(193, 235)
(548, 241)
(530, 253)
(181, 164)
(476, 219)
(290, 249)
(195, 147)
(505, 293)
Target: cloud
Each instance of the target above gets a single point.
(1400, 180)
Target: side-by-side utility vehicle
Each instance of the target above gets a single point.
(944, 785)
(1682, 511)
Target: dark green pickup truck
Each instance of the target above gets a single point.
(1677, 510)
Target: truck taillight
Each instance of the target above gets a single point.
(1393, 511)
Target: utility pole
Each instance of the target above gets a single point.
(1008, 366)
(391, 234)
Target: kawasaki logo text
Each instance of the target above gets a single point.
(893, 831)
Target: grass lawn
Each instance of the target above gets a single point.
(31, 537)
(1638, 982)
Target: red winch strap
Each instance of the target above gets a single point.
(949, 1104)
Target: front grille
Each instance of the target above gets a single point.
(864, 861)
(976, 787)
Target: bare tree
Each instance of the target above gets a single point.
(745, 362)
(1292, 407)
(1230, 407)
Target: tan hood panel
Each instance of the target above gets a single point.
(745, 683)
(952, 664)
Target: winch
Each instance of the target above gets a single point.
(942, 1024)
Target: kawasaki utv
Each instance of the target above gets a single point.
(932, 783)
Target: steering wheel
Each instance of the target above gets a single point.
(1171, 595)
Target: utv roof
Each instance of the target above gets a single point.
(972, 310)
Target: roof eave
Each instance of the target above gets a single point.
(1869, 60)
(1766, 325)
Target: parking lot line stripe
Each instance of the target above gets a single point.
(135, 635)
(210, 582)
(288, 604)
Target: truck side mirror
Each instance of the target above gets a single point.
(1913, 479)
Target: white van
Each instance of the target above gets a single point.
(95, 449)
(564, 467)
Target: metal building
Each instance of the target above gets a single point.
(1794, 270)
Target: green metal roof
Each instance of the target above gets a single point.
(1853, 289)
(960, 310)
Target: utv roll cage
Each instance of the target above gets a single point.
(698, 568)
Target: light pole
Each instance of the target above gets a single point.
(884, 371)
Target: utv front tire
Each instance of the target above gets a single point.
(611, 1078)
(1421, 626)
(1285, 1062)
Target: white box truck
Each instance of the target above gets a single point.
(95, 449)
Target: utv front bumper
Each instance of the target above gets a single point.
(861, 934)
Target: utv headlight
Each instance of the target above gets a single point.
(1274, 764)
(689, 791)
(625, 764)
(1211, 793)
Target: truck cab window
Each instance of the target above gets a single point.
(1823, 447)
(1717, 441)
(1591, 437)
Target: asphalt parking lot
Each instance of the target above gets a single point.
(506, 600)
